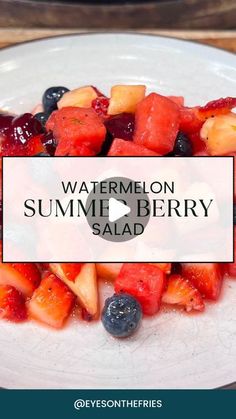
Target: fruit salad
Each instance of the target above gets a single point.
(130, 122)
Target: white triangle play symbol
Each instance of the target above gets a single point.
(117, 210)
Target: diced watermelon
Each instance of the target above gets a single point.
(128, 148)
(206, 277)
(145, 282)
(73, 127)
(157, 123)
(80, 150)
(179, 100)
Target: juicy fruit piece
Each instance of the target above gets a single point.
(125, 98)
(25, 277)
(189, 120)
(206, 277)
(22, 128)
(181, 292)
(206, 128)
(33, 146)
(74, 127)
(231, 267)
(121, 126)
(165, 267)
(121, 315)
(81, 97)
(5, 122)
(22, 137)
(81, 150)
(217, 107)
(51, 97)
(69, 271)
(221, 134)
(12, 304)
(198, 145)
(156, 123)
(108, 271)
(100, 105)
(49, 143)
(51, 302)
(84, 286)
(179, 100)
(183, 146)
(145, 282)
(127, 148)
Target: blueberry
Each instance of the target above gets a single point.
(234, 214)
(182, 147)
(42, 155)
(51, 96)
(176, 268)
(121, 315)
(42, 117)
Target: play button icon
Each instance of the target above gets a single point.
(117, 210)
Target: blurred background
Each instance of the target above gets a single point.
(217, 14)
(210, 21)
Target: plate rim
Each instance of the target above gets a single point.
(115, 32)
(17, 45)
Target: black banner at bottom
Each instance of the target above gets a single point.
(163, 404)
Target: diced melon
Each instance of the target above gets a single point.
(81, 97)
(108, 271)
(221, 138)
(124, 98)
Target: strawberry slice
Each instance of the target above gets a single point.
(51, 302)
(217, 107)
(25, 277)
(181, 292)
(12, 304)
(206, 277)
(68, 270)
(145, 282)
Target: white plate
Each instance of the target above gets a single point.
(171, 350)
